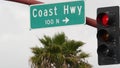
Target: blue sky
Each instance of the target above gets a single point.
(16, 39)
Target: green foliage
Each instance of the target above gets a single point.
(83, 55)
(60, 52)
(46, 41)
(59, 38)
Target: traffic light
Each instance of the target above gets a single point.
(108, 35)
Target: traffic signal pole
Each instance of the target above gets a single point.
(28, 2)
(89, 21)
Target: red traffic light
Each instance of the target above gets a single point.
(103, 18)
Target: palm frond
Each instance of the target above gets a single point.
(83, 55)
(60, 52)
(46, 41)
(54, 49)
(37, 50)
(59, 38)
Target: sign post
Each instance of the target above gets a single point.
(58, 14)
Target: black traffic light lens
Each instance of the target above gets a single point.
(103, 18)
(103, 50)
(103, 35)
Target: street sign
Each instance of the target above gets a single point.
(58, 14)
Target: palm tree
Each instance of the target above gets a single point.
(59, 52)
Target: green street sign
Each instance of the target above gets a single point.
(58, 14)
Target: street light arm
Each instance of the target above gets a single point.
(28, 2)
(89, 21)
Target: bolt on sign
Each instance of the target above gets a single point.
(57, 14)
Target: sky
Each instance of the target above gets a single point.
(16, 38)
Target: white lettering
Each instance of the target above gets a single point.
(40, 13)
(45, 12)
(55, 10)
(57, 21)
(34, 12)
(50, 12)
(49, 21)
(79, 9)
(66, 9)
(72, 9)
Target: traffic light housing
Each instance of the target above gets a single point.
(108, 35)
